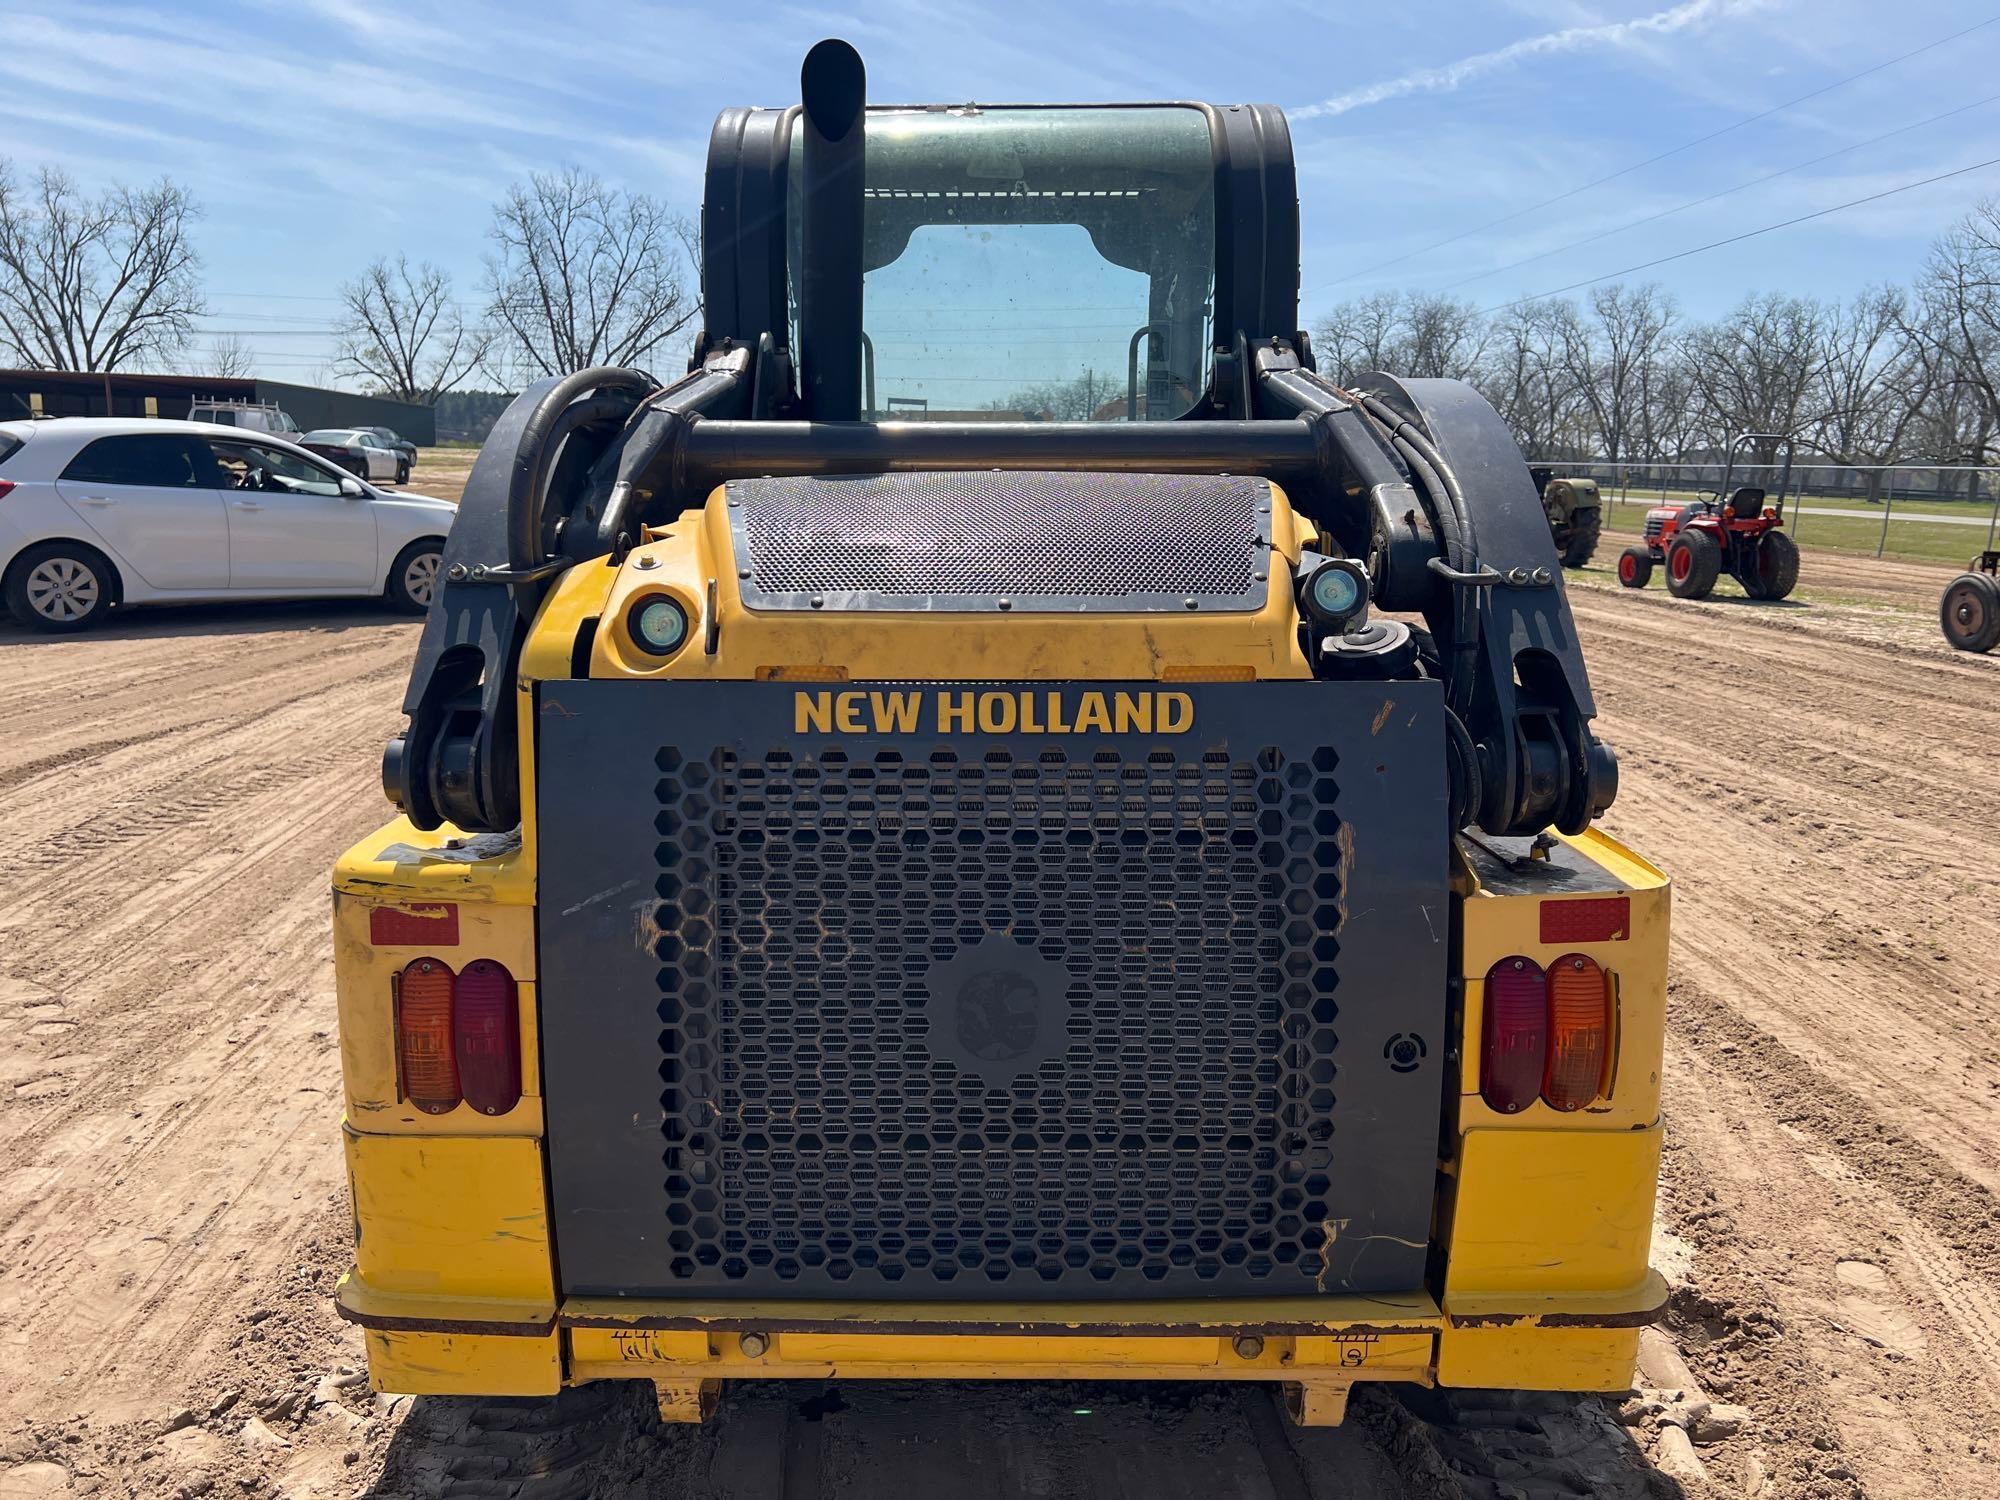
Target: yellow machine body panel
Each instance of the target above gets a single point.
(691, 562)
(1541, 1220)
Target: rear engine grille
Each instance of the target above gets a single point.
(947, 1023)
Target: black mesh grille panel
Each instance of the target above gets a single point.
(842, 996)
(952, 1022)
(970, 540)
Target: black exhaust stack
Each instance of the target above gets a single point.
(834, 88)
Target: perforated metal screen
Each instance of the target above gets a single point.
(957, 1016)
(1037, 540)
(1132, 1078)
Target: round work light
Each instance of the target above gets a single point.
(1335, 593)
(658, 624)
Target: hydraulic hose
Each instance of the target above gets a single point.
(588, 412)
(1466, 790)
(1454, 523)
(524, 520)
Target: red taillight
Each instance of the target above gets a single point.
(458, 1037)
(1579, 1032)
(5, 486)
(1517, 1035)
(425, 1058)
(487, 1022)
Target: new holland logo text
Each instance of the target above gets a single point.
(984, 711)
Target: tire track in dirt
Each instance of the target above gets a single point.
(166, 1002)
(77, 757)
(1814, 864)
(1964, 1214)
(1807, 775)
(1833, 1092)
(1883, 1395)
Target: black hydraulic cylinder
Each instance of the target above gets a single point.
(834, 88)
(715, 451)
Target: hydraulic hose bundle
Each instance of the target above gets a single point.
(1445, 503)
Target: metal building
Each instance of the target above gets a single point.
(73, 393)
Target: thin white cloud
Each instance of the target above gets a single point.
(1611, 34)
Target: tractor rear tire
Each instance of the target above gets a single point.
(1970, 612)
(1635, 567)
(1583, 532)
(1694, 562)
(1774, 567)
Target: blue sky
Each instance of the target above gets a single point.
(319, 133)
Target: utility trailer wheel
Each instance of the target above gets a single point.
(1585, 527)
(1970, 612)
(1635, 567)
(1694, 562)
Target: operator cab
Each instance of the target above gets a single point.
(1034, 264)
(1040, 263)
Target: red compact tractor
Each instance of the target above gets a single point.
(1741, 536)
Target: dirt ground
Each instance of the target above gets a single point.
(1815, 776)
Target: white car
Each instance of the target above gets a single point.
(358, 451)
(102, 512)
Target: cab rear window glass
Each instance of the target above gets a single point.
(9, 446)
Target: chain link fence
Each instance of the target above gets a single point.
(1963, 496)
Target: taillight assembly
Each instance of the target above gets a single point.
(6, 485)
(1579, 1032)
(486, 1023)
(1517, 1035)
(1547, 1034)
(458, 1036)
(426, 1061)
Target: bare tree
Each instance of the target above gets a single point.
(1077, 400)
(1360, 334)
(583, 274)
(1613, 359)
(1418, 333)
(1874, 382)
(402, 332)
(1892, 375)
(1670, 419)
(1528, 382)
(1956, 322)
(94, 283)
(229, 358)
(1758, 369)
(1443, 337)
